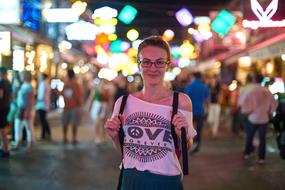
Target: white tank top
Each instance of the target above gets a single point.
(148, 143)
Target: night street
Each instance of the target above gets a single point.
(55, 166)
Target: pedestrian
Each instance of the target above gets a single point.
(16, 84)
(5, 97)
(259, 104)
(149, 158)
(214, 106)
(25, 103)
(199, 94)
(73, 98)
(43, 105)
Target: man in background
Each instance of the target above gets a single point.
(5, 97)
(199, 95)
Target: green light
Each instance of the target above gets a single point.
(115, 46)
(127, 14)
(223, 22)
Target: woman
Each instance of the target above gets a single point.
(149, 158)
(25, 102)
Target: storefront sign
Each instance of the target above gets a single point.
(10, 12)
(264, 16)
(5, 43)
(268, 52)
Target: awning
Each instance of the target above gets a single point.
(24, 35)
(272, 47)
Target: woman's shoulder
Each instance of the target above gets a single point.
(185, 102)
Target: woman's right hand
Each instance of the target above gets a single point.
(112, 126)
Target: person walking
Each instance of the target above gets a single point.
(73, 98)
(214, 107)
(16, 84)
(149, 158)
(5, 97)
(43, 105)
(199, 94)
(25, 103)
(259, 104)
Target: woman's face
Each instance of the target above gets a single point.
(153, 64)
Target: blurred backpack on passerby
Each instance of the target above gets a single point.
(279, 125)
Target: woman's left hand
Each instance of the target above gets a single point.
(179, 121)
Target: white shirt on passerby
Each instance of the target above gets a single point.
(43, 96)
(242, 94)
(259, 104)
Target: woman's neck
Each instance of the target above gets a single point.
(154, 94)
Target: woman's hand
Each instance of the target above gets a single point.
(112, 126)
(179, 121)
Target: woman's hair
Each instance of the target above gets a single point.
(156, 41)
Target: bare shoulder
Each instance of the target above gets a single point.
(119, 101)
(185, 102)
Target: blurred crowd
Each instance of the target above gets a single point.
(24, 101)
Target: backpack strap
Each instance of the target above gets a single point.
(121, 131)
(121, 139)
(183, 135)
(174, 111)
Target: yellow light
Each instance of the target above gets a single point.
(269, 68)
(100, 21)
(132, 34)
(176, 70)
(79, 7)
(204, 27)
(112, 37)
(132, 52)
(64, 65)
(244, 61)
(99, 48)
(168, 35)
(218, 64)
(191, 30)
(76, 69)
(283, 57)
(186, 49)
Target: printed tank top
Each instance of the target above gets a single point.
(148, 143)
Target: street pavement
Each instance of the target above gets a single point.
(87, 166)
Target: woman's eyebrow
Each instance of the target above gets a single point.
(155, 59)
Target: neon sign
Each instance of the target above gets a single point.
(264, 16)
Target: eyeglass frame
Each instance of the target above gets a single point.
(154, 63)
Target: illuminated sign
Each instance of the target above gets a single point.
(5, 43)
(223, 22)
(61, 15)
(31, 14)
(81, 31)
(184, 17)
(264, 16)
(10, 12)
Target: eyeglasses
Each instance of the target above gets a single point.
(158, 63)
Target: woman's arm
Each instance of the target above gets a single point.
(185, 121)
(112, 125)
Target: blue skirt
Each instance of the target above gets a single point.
(144, 180)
